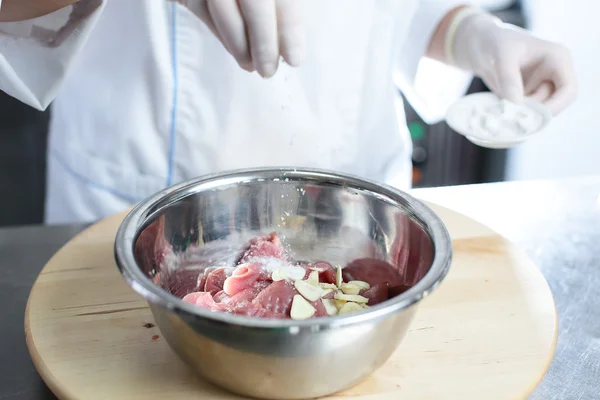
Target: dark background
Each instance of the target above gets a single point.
(23, 143)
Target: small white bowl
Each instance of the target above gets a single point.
(475, 105)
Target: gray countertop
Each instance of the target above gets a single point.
(557, 223)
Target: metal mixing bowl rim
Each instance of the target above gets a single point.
(154, 204)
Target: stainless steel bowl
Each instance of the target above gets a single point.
(322, 216)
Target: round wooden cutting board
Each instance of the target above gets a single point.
(489, 331)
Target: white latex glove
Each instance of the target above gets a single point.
(255, 32)
(512, 62)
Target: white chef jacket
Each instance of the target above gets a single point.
(145, 97)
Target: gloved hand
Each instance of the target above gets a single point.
(255, 32)
(512, 62)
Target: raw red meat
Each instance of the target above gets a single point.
(251, 288)
(180, 282)
(240, 303)
(372, 271)
(221, 297)
(376, 294)
(328, 273)
(244, 276)
(204, 300)
(246, 295)
(277, 298)
(263, 246)
(215, 280)
(321, 311)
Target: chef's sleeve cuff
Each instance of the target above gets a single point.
(429, 86)
(35, 55)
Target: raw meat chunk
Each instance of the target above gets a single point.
(328, 273)
(243, 277)
(277, 298)
(246, 295)
(215, 280)
(181, 281)
(221, 297)
(265, 284)
(373, 272)
(376, 294)
(321, 311)
(204, 300)
(263, 246)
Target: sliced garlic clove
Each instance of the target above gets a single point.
(326, 292)
(349, 288)
(339, 303)
(278, 275)
(351, 297)
(282, 273)
(296, 273)
(310, 292)
(338, 276)
(330, 307)
(362, 285)
(313, 278)
(316, 269)
(350, 307)
(328, 286)
(301, 309)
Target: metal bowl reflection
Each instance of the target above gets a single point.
(321, 216)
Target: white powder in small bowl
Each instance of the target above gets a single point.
(489, 121)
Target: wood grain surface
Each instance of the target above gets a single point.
(488, 332)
